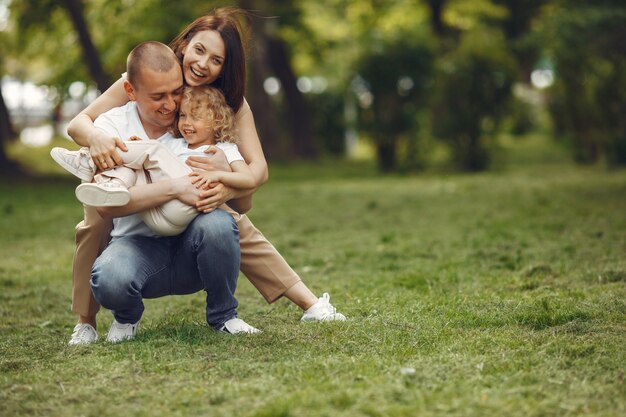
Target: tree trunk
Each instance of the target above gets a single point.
(386, 155)
(265, 114)
(92, 58)
(7, 167)
(297, 108)
(436, 21)
(6, 128)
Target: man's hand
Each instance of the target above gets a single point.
(103, 149)
(214, 161)
(185, 191)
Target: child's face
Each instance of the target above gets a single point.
(196, 131)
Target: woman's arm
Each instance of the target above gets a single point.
(81, 128)
(250, 147)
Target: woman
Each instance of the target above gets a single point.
(211, 52)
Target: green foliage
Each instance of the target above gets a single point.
(588, 101)
(328, 123)
(49, 41)
(473, 88)
(397, 76)
(485, 47)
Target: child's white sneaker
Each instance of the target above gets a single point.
(323, 310)
(106, 194)
(78, 162)
(84, 334)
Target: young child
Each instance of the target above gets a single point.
(204, 119)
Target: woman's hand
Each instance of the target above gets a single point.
(214, 161)
(214, 197)
(103, 150)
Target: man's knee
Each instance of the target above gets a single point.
(112, 282)
(216, 226)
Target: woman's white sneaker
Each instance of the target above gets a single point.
(119, 332)
(106, 194)
(323, 310)
(84, 334)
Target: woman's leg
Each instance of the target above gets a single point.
(272, 276)
(92, 235)
(266, 269)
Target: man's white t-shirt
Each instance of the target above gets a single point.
(123, 122)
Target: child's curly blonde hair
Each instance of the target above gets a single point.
(208, 104)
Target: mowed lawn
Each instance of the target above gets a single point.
(492, 294)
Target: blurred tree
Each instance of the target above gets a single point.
(345, 34)
(517, 27)
(436, 17)
(272, 137)
(88, 40)
(277, 61)
(32, 14)
(473, 87)
(396, 80)
(7, 132)
(585, 40)
(74, 8)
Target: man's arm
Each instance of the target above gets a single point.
(102, 144)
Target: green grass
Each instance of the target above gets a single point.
(492, 294)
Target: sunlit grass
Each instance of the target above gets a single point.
(498, 293)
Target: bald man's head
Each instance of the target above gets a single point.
(151, 55)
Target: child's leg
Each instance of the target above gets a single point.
(122, 175)
(159, 160)
(161, 164)
(171, 218)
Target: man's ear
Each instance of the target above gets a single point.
(130, 91)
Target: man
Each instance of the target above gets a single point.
(137, 264)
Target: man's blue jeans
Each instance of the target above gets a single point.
(204, 257)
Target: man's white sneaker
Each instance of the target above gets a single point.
(78, 162)
(84, 334)
(323, 310)
(106, 194)
(238, 326)
(119, 331)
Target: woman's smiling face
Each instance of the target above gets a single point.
(203, 58)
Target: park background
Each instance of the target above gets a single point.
(452, 172)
